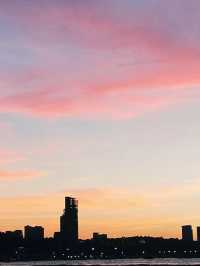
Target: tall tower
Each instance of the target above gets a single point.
(187, 233)
(69, 221)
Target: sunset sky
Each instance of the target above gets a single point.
(100, 100)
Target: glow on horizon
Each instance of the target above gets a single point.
(100, 99)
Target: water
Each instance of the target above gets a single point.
(121, 262)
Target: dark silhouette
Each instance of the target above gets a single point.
(97, 236)
(198, 233)
(69, 221)
(187, 233)
(33, 232)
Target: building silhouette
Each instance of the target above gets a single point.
(33, 232)
(198, 233)
(69, 221)
(187, 233)
(16, 235)
(98, 236)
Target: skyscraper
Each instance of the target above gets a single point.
(187, 233)
(69, 221)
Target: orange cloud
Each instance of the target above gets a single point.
(19, 175)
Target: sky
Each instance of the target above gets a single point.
(100, 100)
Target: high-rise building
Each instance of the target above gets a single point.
(69, 221)
(33, 232)
(198, 233)
(187, 233)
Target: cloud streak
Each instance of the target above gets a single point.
(12, 176)
(8, 156)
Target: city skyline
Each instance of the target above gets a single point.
(100, 100)
(69, 229)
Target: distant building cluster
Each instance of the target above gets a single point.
(16, 235)
(187, 233)
(31, 233)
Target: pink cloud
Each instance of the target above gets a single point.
(156, 66)
(7, 156)
(101, 26)
(121, 105)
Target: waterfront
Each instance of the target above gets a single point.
(115, 262)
